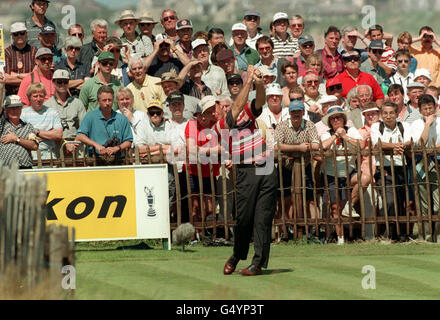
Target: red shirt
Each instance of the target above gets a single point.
(332, 65)
(205, 137)
(363, 78)
(27, 81)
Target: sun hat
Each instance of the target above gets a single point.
(334, 110)
(126, 15)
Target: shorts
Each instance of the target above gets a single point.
(287, 182)
(341, 189)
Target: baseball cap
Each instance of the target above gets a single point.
(175, 96)
(304, 38)
(348, 54)
(43, 51)
(207, 102)
(422, 72)
(106, 55)
(274, 89)
(18, 26)
(296, 105)
(47, 29)
(415, 85)
(332, 82)
(238, 27)
(61, 74)
(234, 76)
(184, 23)
(252, 12)
(280, 16)
(224, 54)
(155, 103)
(72, 41)
(376, 44)
(198, 42)
(12, 101)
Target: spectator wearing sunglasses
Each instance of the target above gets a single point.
(403, 75)
(77, 70)
(349, 37)
(387, 61)
(353, 77)
(169, 20)
(146, 25)
(70, 109)
(41, 73)
(251, 20)
(19, 58)
(334, 88)
(89, 91)
(134, 43)
(265, 49)
(404, 42)
(371, 65)
(311, 83)
(306, 48)
(76, 30)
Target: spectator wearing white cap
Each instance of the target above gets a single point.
(70, 109)
(137, 44)
(275, 111)
(423, 76)
(285, 46)
(251, 20)
(244, 55)
(35, 23)
(77, 70)
(213, 76)
(41, 73)
(19, 58)
(414, 91)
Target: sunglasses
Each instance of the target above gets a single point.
(336, 118)
(354, 58)
(79, 35)
(106, 63)
(45, 59)
(298, 25)
(169, 18)
(377, 51)
(400, 61)
(335, 87)
(61, 81)
(20, 33)
(315, 82)
(234, 83)
(74, 48)
(307, 45)
(297, 99)
(263, 49)
(146, 24)
(251, 18)
(155, 113)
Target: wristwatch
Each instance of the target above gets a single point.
(18, 140)
(37, 132)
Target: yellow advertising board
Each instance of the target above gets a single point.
(2, 47)
(109, 203)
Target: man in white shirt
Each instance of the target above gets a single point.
(275, 112)
(426, 132)
(394, 135)
(402, 75)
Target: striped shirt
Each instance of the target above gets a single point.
(388, 58)
(19, 61)
(44, 119)
(285, 49)
(11, 151)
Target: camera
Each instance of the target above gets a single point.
(112, 142)
(64, 124)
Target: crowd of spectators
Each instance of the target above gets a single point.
(164, 87)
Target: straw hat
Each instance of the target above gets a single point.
(146, 17)
(126, 15)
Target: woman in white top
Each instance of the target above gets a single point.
(125, 100)
(336, 120)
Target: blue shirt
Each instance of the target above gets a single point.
(100, 129)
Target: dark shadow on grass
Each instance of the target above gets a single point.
(275, 271)
(186, 250)
(139, 246)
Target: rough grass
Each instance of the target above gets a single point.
(296, 271)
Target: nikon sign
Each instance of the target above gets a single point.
(109, 203)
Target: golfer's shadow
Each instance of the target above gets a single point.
(275, 271)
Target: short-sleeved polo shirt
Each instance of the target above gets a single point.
(89, 92)
(349, 83)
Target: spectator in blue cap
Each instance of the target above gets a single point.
(297, 134)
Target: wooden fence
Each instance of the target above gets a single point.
(364, 224)
(30, 252)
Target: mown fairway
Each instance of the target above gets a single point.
(296, 271)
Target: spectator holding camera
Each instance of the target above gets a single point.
(427, 57)
(103, 129)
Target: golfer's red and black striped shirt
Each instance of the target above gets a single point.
(20, 60)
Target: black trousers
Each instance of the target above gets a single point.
(256, 204)
(389, 196)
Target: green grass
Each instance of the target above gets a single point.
(296, 271)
